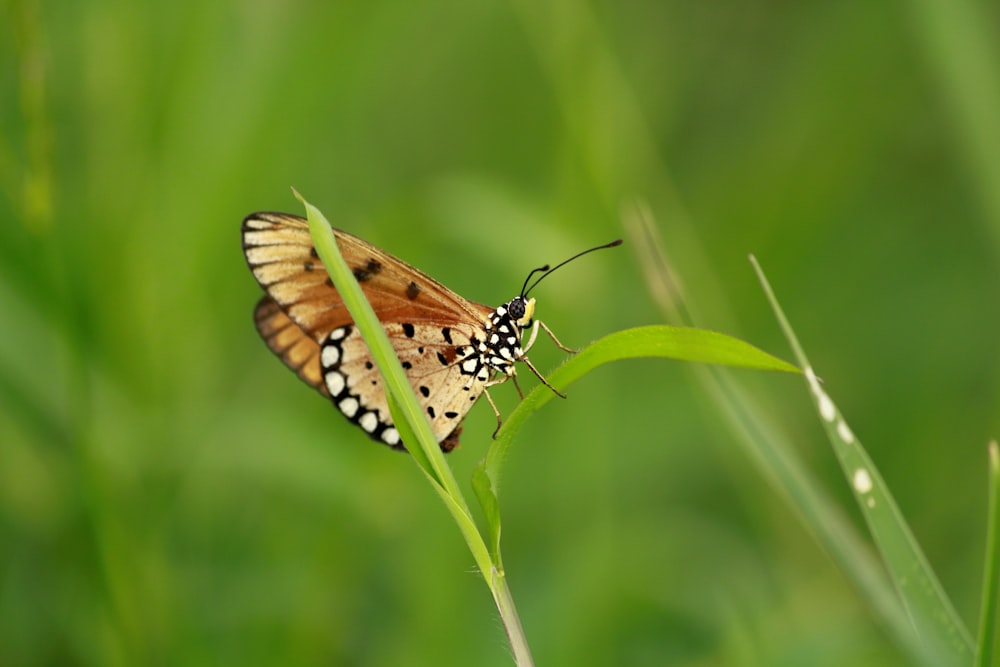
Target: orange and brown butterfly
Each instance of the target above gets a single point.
(452, 349)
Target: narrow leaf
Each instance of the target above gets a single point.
(662, 341)
(934, 618)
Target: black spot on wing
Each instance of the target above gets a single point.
(408, 329)
(412, 290)
(368, 271)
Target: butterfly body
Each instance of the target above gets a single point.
(452, 349)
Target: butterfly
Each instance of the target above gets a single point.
(452, 349)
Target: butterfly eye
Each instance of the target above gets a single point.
(516, 308)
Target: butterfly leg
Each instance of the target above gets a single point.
(495, 411)
(542, 377)
(517, 386)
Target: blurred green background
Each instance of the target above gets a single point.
(171, 494)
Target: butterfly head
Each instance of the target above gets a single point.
(522, 310)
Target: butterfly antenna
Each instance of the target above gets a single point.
(533, 272)
(548, 271)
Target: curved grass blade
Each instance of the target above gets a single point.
(663, 341)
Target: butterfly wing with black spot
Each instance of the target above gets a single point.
(281, 256)
(428, 324)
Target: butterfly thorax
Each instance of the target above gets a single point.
(501, 345)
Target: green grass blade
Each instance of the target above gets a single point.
(991, 578)
(667, 342)
(939, 627)
(773, 452)
(407, 415)
(397, 386)
(791, 478)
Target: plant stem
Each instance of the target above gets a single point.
(511, 621)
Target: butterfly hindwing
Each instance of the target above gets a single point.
(290, 343)
(432, 364)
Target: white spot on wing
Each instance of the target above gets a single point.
(330, 356)
(469, 365)
(349, 406)
(369, 422)
(390, 436)
(338, 334)
(335, 383)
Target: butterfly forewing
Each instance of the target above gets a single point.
(280, 253)
(304, 321)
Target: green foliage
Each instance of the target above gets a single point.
(170, 494)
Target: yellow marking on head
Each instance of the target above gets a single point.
(529, 312)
